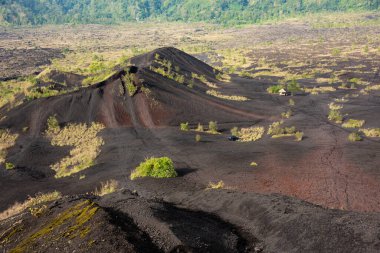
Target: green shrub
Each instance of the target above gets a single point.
(96, 66)
(291, 102)
(198, 138)
(293, 86)
(9, 166)
(275, 89)
(213, 127)
(354, 137)
(184, 126)
(155, 167)
(128, 80)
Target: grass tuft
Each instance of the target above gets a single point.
(37, 200)
(107, 187)
(216, 186)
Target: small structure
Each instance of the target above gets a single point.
(284, 92)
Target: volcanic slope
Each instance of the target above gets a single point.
(141, 106)
(157, 102)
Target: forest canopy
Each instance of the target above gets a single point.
(37, 12)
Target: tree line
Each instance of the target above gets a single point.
(37, 12)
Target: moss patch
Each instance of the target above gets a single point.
(70, 224)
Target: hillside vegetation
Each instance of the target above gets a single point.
(35, 12)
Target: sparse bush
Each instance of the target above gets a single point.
(293, 86)
(354, 137)
(317, 90)
(7, 140)
(39, 199)
(299, 136)
(254, 164)
(155, 167)
(216, 186)
(336, 52)
(52, 125)
(203, 79)
(213, 127)
(128, 80)
(336, 116)
(11, 89)
(235, 131)
(107, 187)
(373, 132)
(290, 130)
(291, 102)
(184, 126)
(217, 94)
(287, 115)
(353, 123)
(37, 211)
(223, 77)
(357, 81)
(198, 138)
(275, 128)
(180, 79)
(277, 131)
(334, 106)
(199, 128)
(372, 87)
(86, 145)
(191, 83)
(166, 70)
(251, 134)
